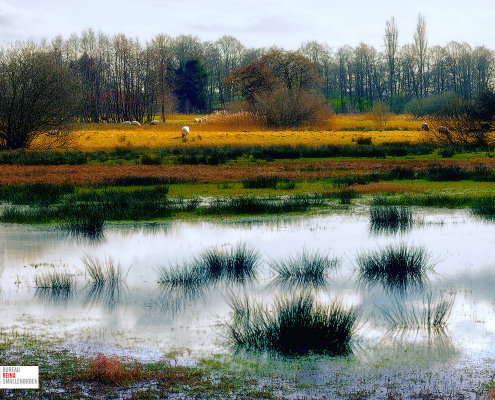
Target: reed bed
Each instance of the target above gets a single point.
(292, 325)
(432, 314)
(390, 220)
(307, 269)
(104, 271)
(395, 267)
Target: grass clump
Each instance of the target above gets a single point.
(291, 326)
(104, 271)
(346, 195)
(305, 269)
(54, 280)
(86, 220)
(391, 219)
(241, 262)
(394, 267)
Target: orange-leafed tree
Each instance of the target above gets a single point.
(284, 88)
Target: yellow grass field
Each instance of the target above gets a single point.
(108, 136)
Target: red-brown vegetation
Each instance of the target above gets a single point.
(296, 170)
(124, 370)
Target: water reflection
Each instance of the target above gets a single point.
(466, 245)
(390, 221)
(81, 237)
(396, 268)
(49, 296)
(108, 295)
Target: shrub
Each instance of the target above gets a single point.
(364, 141)
(288, 108)
(381, 114)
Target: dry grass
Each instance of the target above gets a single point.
(242, 129)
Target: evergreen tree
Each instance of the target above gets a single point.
(190, 89)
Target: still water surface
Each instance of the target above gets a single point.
(141, 313)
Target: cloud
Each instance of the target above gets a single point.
(29, 22)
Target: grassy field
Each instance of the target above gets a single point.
(220, 161)
(345, 129)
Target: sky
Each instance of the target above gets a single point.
(255, 23)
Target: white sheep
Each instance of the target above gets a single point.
(204, 120)
(135, 123)
(154, 122)
(197, 120)
(54, 132)
(444, 130)
(184, 131)
(126, 122)
(425, 127)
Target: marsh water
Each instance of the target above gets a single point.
(142, 312)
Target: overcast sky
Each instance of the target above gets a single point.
(256, 23)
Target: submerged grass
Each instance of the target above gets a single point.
(390, 220)
(432, 314)
(54, 280)
(305, 269)
(293, 325)
(395, 268)
(241, 262)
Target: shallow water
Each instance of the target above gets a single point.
(141, 313)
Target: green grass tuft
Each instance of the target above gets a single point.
(291, 326)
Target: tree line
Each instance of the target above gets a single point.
(121, 78)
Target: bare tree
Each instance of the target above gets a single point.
(420, 46)
(391, 48)
(38, 97)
